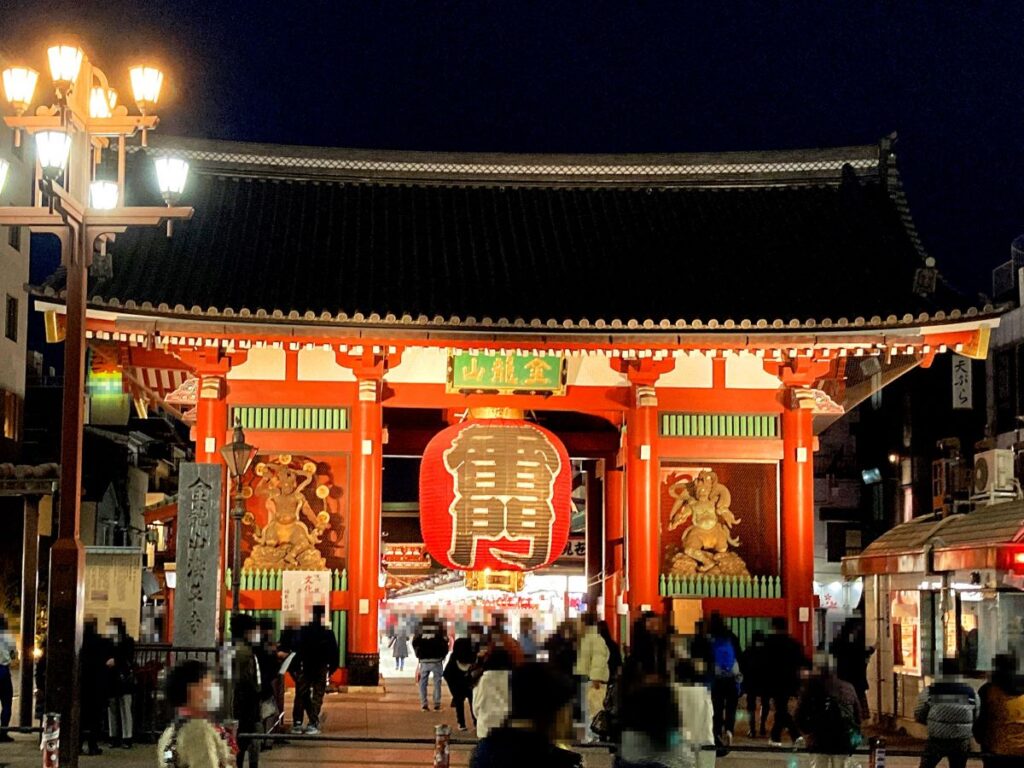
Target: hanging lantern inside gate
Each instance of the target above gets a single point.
(495, 494)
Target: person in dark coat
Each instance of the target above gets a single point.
(614, 652)
(561, 648)
(852, 654)
(318, 651)
(783, 678)
(649, 657)
(999, 728)
(245, 686)
(829, 713)
(271, 690)
(458, 674)
(287, 644)
(96, 651)
(754, 667)
(120, 683)
(540, 714)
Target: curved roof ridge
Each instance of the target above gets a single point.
(771, 166)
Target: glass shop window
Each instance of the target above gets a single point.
(988, 625)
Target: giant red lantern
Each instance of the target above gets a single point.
(495, 493)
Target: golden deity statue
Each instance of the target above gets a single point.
(286, 542)
(705, 503)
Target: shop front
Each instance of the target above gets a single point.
(938, 588)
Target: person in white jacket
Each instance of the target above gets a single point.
(592, 666)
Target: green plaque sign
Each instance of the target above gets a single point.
(506, 374)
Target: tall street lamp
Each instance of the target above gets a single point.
(82, 120)
(238, 455)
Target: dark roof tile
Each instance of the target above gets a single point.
(712, 250)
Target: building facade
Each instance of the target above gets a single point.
(14, 264)
(687, 325)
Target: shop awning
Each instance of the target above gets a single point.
(987, 537)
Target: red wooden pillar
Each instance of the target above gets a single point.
(798, 520)
(642, 516)
(613, 531)
(211, 419)
(364, 530)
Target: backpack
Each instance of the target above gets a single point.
(724, 654)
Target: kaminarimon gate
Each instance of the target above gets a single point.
(686, 323)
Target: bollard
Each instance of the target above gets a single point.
(876, 755)
(442, 756)
(50, 742)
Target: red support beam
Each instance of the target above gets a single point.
(613, 553)
(798, 521)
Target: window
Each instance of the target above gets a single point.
(11, 326)
(14, 238)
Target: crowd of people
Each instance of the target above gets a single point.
(671, 700)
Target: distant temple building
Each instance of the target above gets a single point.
(686, 325)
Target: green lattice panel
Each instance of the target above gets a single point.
(266, 418)
(719, 425)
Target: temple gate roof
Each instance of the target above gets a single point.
(786, 240)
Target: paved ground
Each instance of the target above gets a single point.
(390, 715)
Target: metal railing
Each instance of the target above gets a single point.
(152, 662)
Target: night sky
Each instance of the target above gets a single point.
(599, 77)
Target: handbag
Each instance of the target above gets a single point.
(268, 709)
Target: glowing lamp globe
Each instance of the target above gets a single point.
(52, 149)
(495, 493)
(102, 101)
(171, 174)
(65, 64)
(103, 195)
(146, 85)
(20, 87)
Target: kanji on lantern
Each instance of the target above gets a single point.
(495, 494)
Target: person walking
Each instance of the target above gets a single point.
(592, 668)
(852, 653)
(318, 652)
(651, 735)
(288, 646)
(614, 651)
(782, 679)
(725, 649)
(696, 713)
(93, 674)
(949, 707)
(265, 648)
(999, 728)
(528, 638)
(491, 697)
(430, 644)
(194, 740)
(828, 711)
(539, 716)
(8, 655)
(120, 683)
(399, 643)
(561, 648)
(458, 675)
(753, 666)
(246, 686)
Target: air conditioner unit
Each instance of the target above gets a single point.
(993, 471)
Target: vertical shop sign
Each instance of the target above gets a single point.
(962, 383)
